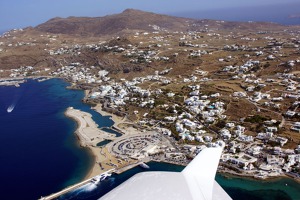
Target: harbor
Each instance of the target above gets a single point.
(238, 185)
(141, 164)
(94, 180)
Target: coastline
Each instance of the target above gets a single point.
(26, 77)
(93, 166)
(119, 120)
(84, 121)
(116, 119)
(229, 175)
(95, 170)
(89, 135)
(121, 124)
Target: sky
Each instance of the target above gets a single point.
(24, 13)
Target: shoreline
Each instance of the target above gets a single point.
(119, 120)
(27, 77)
(116, 119)
(88, 136)
(94, 151)
(269, 179)
(17, 81)
(94, 165)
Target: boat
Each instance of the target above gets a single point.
(97, 179)
(10, 108)
(103, 177)
(143, 165)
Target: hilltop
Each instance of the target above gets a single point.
(31, 46)
(131, 20)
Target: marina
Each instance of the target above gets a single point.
(95, 180)
(237, 187)
(123, 174)
(131, 166)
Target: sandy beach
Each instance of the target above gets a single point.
(90, 135)
(87, 130)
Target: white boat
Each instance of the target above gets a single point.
(97, 179)
(143, 165)
(10, 108)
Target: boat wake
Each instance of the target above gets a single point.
(89, 187)
(82, 192)
(10, 108)
(92, 188)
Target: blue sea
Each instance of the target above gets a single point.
(237, 188)
(40, 155)
(39, 152)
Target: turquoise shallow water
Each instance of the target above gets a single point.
(242, 188)
(39, 153)
(237, 188)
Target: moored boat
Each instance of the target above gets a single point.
(97, 179)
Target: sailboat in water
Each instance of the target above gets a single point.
(10, 108)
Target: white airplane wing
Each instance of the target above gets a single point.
(195, 182)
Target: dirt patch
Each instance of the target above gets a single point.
(293, 137)
(239, 108)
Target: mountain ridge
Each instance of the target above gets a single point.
(131, 19)
(110, 24)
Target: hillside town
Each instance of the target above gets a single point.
(206, 88)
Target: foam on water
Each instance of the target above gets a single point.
(10, 108)
(89, 187)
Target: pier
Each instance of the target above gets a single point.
(73, 187)
(128, 167)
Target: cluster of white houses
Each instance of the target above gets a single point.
(25, 71)
(249, 153)
(208, 109)
(253, 159)
(77, 73)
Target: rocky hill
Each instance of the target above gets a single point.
(131, 20)
(128, 20)
(111, 42)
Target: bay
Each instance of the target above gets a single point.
(39, 152)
